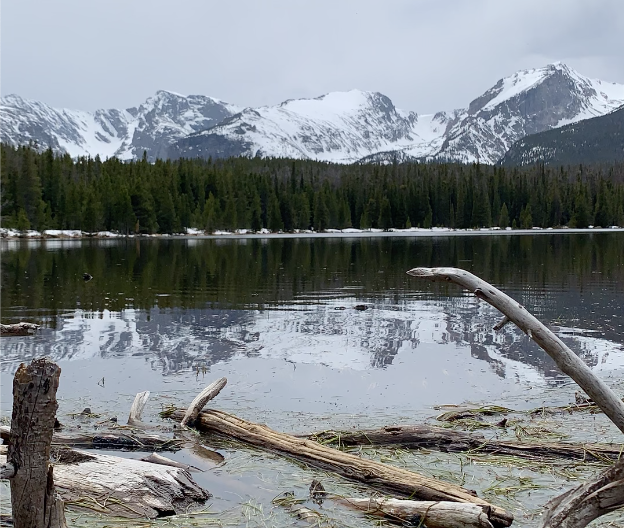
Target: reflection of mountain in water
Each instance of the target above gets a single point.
(329, 332)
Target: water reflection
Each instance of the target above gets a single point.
(183, 304)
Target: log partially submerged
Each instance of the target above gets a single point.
(127, 440)
(381, 476)
(18, 329)
(442, 439)
(581, 505)
(566, 360)
(441, 514)
(123, 487)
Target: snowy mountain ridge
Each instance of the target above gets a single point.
(342, 127)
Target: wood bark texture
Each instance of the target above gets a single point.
(33, 499)
(441, 514)
(581, 505)
(381, 476)
(18, 329)
(447, 440)
(566, 360)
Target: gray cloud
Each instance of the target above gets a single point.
(424, 55)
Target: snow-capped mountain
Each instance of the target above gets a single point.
(341, 127)
(528, 102)
(151, 127)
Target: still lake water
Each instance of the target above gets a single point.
(277, 317)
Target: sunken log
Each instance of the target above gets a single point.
(442, 514)
(448, 440)
(581, 505)
(18, 329)
(384, 477)
(566, 360)
(33, 498)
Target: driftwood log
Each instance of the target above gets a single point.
(441, 514)
(381, 476)
(123, 487)
(33, 498)
(448, 440)
(18, 329)
(566, 360)
(118, 439)
(581, 505)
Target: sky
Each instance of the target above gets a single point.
(426, 55)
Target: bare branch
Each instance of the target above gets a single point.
(140, 400)
(201, 400)
(566, 360)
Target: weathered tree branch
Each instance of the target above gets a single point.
(566, 360)
(448, 440)
(140, 400)
(581, 505)
(200, 401)
(440, 514)
(381, 476)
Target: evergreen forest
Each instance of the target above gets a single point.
(42, 190)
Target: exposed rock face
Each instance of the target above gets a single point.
(341, 127)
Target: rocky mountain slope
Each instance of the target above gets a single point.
(151, 127)
(596, 140)
(341, 127)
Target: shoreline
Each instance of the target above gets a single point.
(192, 234)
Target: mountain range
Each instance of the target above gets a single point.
(343, 127)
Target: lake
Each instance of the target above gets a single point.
(312, 334)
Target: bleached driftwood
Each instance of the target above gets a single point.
(581, 505)
(137, 408)
(200, 401)
(155, 458)
(566, 360)
(124, 487)
(441, 514)
(381, 476)
(448, 440)
(33, 496)
(18, 329)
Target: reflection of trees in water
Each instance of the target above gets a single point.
(193, 302)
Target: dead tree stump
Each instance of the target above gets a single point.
(33, 499)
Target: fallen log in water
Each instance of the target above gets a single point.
(123, 487)
(581, 505)
(442, 439)
(109, 440)
(381, 476)
(18, 329)
(441, 514)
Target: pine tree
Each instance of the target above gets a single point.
(503, 217)
(385, 215)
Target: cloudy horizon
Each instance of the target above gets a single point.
(425, 56)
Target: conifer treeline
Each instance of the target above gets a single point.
(46, 191)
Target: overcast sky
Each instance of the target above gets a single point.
(425, 55)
